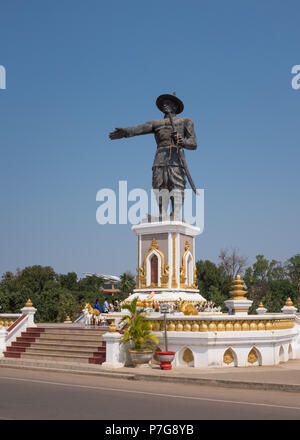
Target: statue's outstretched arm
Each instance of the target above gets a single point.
(135, 130)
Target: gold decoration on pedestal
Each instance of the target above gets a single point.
(112, 327)
(188, 356)
(289, 302)
(164, 279)
(228, 357)
(183, 306)
(179, 326)
(68, 319)
(187, 246)
(224, 325)
(190, 310)
(238, 289)
(252, 356)
(142, 277)
(182, 276)
(187, 326)
(154, 244)
(29, 303)
(261, 305)
(142, 270)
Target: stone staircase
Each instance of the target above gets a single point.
(61, 344)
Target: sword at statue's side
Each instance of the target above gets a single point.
(182, 157)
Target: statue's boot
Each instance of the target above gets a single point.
(163, 201)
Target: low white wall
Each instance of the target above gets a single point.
(208, 348)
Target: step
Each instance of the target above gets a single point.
(59, 358)
(69, 342)
(35, 329)
(16, 349)
(57, 350)
(20, 344)
(27, 340)
(92, 346)
(8, 354)
(69, 339)
(28, 334)
(82, 332)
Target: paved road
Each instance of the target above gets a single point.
(36, 395)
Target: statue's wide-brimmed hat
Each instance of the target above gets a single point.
(162, 98)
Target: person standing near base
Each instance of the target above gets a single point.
(105, 306)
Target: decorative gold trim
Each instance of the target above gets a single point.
(228, 357)
(142, 271)
(252, 356)
(183, 274)
(164, 279)
(6, 322)
(188, 356)
(142, 277)
(225, 325)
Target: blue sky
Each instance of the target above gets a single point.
(77, 69)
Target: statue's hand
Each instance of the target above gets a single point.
(177, 138)
(118, 133)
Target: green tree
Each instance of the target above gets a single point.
(209, 276)
(293, 270)
(127, 283)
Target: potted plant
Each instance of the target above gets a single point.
(138, 334)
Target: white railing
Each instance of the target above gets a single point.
(7, 319)
(11, 333)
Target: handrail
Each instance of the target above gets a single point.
(9, 329)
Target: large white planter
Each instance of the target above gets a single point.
(140, 357)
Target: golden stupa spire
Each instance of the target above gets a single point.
(238, 288)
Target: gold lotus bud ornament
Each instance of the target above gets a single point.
(238, 288)
(112, 327)
(289, 302)
(68, 319)
(29, 303)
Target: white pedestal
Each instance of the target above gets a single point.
(238, 306)
(114, 354)
(30, 312)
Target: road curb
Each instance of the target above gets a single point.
(222, 383)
